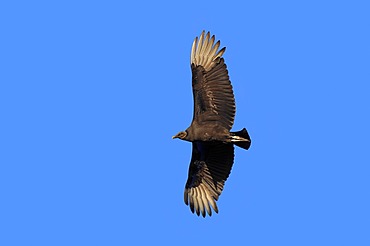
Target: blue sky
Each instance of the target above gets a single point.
(92, 91)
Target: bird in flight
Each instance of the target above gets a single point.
(213, 117)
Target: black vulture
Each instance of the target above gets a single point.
(213, 116)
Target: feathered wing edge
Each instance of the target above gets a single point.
(204, 51)
(212, 89)
(207, 177)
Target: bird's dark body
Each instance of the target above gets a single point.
(213, 116)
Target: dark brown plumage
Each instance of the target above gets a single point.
(213, 116)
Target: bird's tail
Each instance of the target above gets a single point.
(241, 139)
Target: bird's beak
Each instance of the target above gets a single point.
(173, 137)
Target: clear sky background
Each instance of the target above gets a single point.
(92, 91)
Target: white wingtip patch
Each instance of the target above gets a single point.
(204, 51)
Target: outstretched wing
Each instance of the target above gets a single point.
(210, 166)
(212, 91)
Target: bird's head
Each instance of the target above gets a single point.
(181, 135)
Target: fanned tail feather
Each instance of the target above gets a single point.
(241, 139)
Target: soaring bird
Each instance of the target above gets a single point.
(213, 116)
